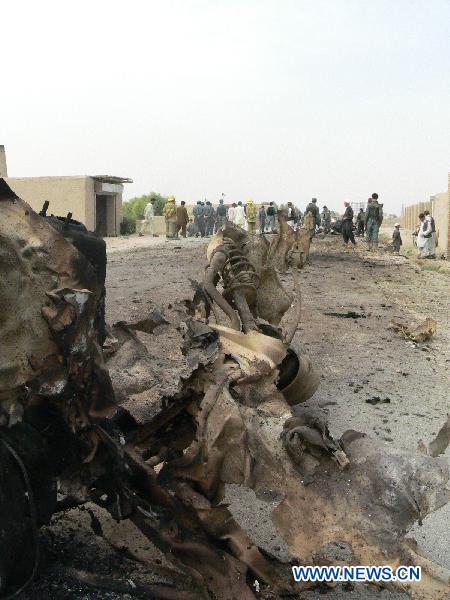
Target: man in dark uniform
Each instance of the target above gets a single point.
(326, 219)
(262, 218)
(209, 218)
(271, 214)
(347, 225)
(314, 210)
(374, 218)
(182, 218)
(396, 238)
(199, 219)
(360, 220)
(221, 215)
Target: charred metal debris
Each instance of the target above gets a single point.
(98, 415)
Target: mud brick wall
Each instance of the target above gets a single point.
(439, 206)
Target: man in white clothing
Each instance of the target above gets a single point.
(425, 238)
(148, 222)
(231, 215)
(239, 217)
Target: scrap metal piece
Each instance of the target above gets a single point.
(148, 325)
(419, 333)
(301, 435)
(250, 347)
(442, 440)
(298, 380)
(291, 246)
(52, 377)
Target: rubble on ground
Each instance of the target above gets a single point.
(180, 406)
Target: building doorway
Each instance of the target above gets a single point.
(105, 214)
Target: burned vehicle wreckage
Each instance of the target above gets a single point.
(86, 416)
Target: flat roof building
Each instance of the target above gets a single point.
(95, 200)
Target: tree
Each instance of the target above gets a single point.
(133, 209)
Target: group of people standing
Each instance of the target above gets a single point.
(176, 218)
(205, 217)
(367, 221)
(208, 220)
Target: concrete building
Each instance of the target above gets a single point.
(94, 200)
(439, 207)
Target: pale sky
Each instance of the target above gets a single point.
(278, 100)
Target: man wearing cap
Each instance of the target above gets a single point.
(396, 237)
(250, 214)
(199, 221)
(170, 215)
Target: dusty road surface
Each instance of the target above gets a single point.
(372, 380)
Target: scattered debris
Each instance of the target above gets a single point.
(377, 400)
(351, 314)
(157, 445)
(110, 584)
(417, 334)
(303, 434)
(148, 325)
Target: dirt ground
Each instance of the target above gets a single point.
(359, 359)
